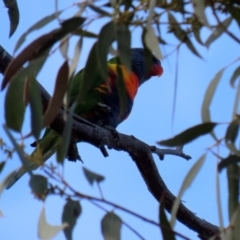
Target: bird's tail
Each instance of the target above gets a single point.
(47, 147)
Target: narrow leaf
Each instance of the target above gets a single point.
(14, 103)
(13, 14)
(209, 96)
(64, 44)
(77, 52)
(185, 185)
(84, 33)
(41, 23)
(235, 222)
(19, 150)
(71, 212)
(226, 162)
(2, 164)
(231, 135)
(88, 75)
(39, 185)
(124, 42)
(235, 76)
(233, 188)
(36, 108)
(166, 229)
(5, 181)
(47, 231)
(191, 47)
(64, 145)
(152, 43)
(189, 135)
(92, 176)
(111, 226)
(218, 31)
(206, 116)
(57, 98)
(105, 39)
(98, 10)
(199, 8)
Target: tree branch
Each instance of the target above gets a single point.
(140, 152)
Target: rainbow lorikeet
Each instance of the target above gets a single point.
(102, 103)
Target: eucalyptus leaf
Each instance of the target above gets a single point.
(220, 29)
(13, 14)
(92, 176)
(235, 76)
(47, 231)
(105, 39)
(41, 23)
(165, 226)
(189, 135)
(185, 185)
(71, 211)
(111, 226)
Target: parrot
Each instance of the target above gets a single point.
(101, 104)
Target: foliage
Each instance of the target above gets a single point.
(185, 20)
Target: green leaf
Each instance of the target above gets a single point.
(181, 34)
(36, 107)
(191, 47)
(226, 162)
(185, 185)
(41, 23)
(92, 176)
(89, 73)
(111, 226)
(2, 164)
(19, 151)
(71, 212)
(199, 8)
(176, 29)
(189, 135)
(105, 39)
(99, 10)
(14, 103)
(235, 222)
(59, 92)
(231, 135)
(64, 45)
(206, 117)
(152, 42)
(5, 181)
(39, 185)
(124, 42)
(166, 229)
(234, 11)
(218, 31)
(47, 231)
(75, 59)
(66, 137)
(233, 188)
(235, 76)
(84, 33)
(13, 14)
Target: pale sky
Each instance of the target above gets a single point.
(150, 121)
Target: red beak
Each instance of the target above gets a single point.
(156, 70)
